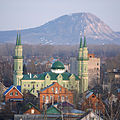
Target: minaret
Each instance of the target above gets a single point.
(80, 58)
(80, 65)
(18, 62)
(84, 76)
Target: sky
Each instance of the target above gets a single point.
(23, 14)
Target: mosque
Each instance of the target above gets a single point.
(35, 82)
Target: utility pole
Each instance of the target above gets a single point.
(61, 111)
(45, 114)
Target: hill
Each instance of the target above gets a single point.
(65, 30)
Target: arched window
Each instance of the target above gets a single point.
(47, 98)
(52, 89)
(66, 98)
(51, 98)
(43, 98)
(60, 89)
(58, 98)
(56, 90)
(63, 98)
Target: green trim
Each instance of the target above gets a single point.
(18, 57)
(86, 75)
(83, 59)
(53, 76)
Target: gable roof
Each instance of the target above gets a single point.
(10, 88)
(65, 104)
(29, 106)
(53, 110)
(53, 76)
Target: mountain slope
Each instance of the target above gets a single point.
(66, 30)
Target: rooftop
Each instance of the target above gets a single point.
(58, 65)
(53, 76)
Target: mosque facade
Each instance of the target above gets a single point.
(35, 82)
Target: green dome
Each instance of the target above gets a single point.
(57, 65)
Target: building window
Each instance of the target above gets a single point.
(58, 98)
(16, 94)
(47, 98)
(43, 98)
(37, 85)
(11, 94)
(50, 98)
(60, 89)
(97, 63)
(67, 85)
(97, 68)
(32, 111)
(66, 97)
(28, 85)
(52, 89)
(62, 98)
(56, 90)
(42, 85)
(24, 85)
(63, 85)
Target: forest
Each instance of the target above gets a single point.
(110, 50)
(109, 54)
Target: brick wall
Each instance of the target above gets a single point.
(55, 93)
(13, 92)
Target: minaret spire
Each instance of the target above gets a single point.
(81, 40)
(17, 39)
(85, 44)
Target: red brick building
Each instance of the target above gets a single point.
(91, 101)
(13, 94)
(55, 93)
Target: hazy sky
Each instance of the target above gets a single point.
(22, 14)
